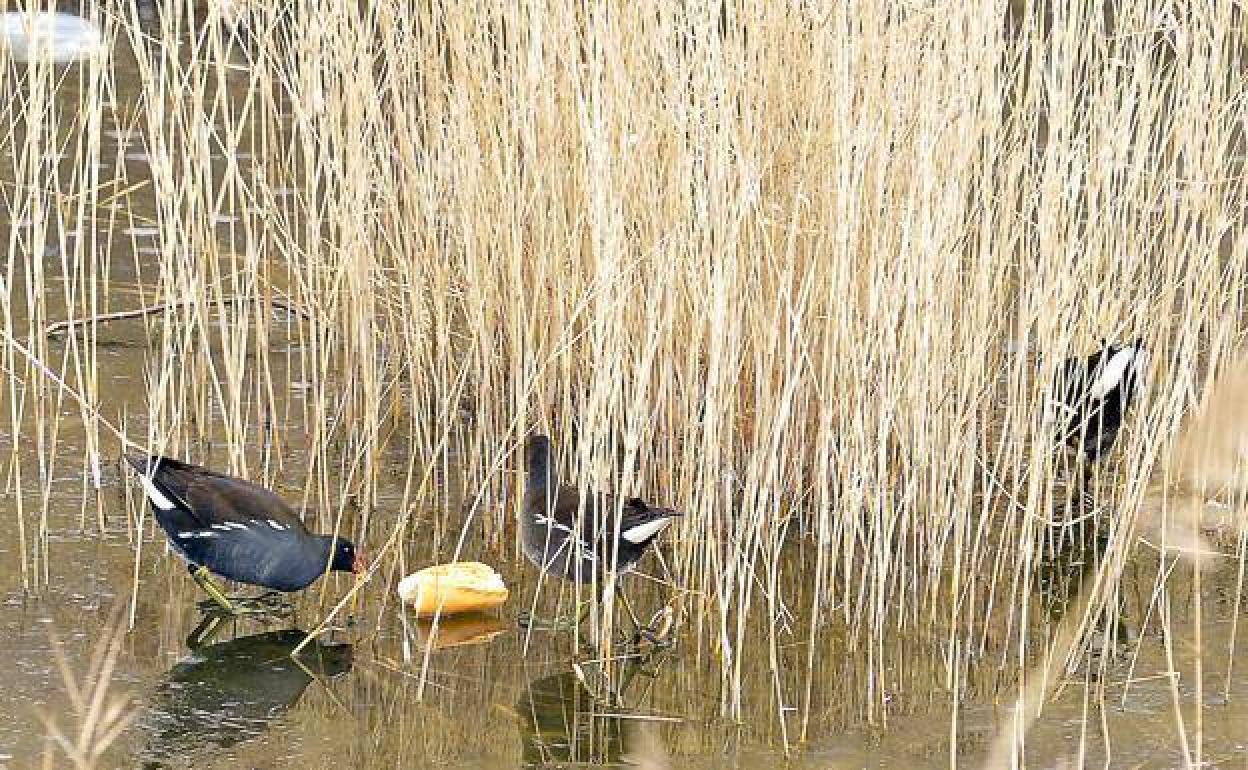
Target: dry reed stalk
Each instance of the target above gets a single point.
(807, 274)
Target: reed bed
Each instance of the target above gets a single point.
(805, 272)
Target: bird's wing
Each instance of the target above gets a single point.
(212, 498)
(639, 520)
(242, 502)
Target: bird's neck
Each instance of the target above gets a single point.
(542, 476)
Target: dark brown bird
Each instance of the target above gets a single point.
(578, 547)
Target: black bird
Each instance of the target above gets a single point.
(1094, 393)
(227, 693)
(237, 530)
(557, 542)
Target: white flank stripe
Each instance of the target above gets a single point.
(158, 499)
(643, 532)
(275, 525)
(573, 542)
(1112, 373)
(546, 521)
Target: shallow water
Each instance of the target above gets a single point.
(366, 696)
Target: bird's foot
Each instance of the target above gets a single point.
(270, 603)
(530, 622)
(660, 633)
(648, 640)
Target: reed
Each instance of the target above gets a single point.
(806, 273)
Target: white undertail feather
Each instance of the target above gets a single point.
(547, 522)
(643, 532)
(155, 495)
(1113, 372)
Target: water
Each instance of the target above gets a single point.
(57, 37)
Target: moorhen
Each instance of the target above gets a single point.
(236, 529)
(1094, 393)
(578, 550)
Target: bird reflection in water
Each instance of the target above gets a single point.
(562, 724)
(228, 692)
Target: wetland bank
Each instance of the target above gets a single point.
(807, 273)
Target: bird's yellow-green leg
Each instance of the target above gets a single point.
(241, 605)
(204, 578)
(558, 623)
(207, 630)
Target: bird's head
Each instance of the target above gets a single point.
(348, 558)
